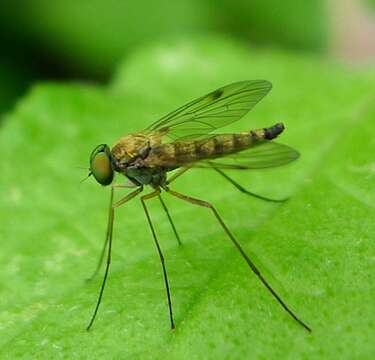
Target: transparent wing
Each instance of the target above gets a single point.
(212, 111)
(265, 155)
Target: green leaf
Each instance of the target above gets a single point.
(316, 249)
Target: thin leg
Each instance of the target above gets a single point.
(109, 241)
(177, 174)
(143, 200)
(110, 219)
(170, 219)
(239, 248)
(128, 185)
(243, 190)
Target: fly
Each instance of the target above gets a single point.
(182, 140)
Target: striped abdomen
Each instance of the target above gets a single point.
(184, 152)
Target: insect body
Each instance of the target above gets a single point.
(181, 153)
(185, 139)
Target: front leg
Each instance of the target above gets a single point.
(108, 242)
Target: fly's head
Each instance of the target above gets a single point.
(101, 165)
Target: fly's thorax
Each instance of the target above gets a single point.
(161, 155)
(130, 148)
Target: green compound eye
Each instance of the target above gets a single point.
(100, 165)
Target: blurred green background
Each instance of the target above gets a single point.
(78, 73)
(44, 40)
(88, 39)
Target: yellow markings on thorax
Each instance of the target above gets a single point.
(130, 146)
